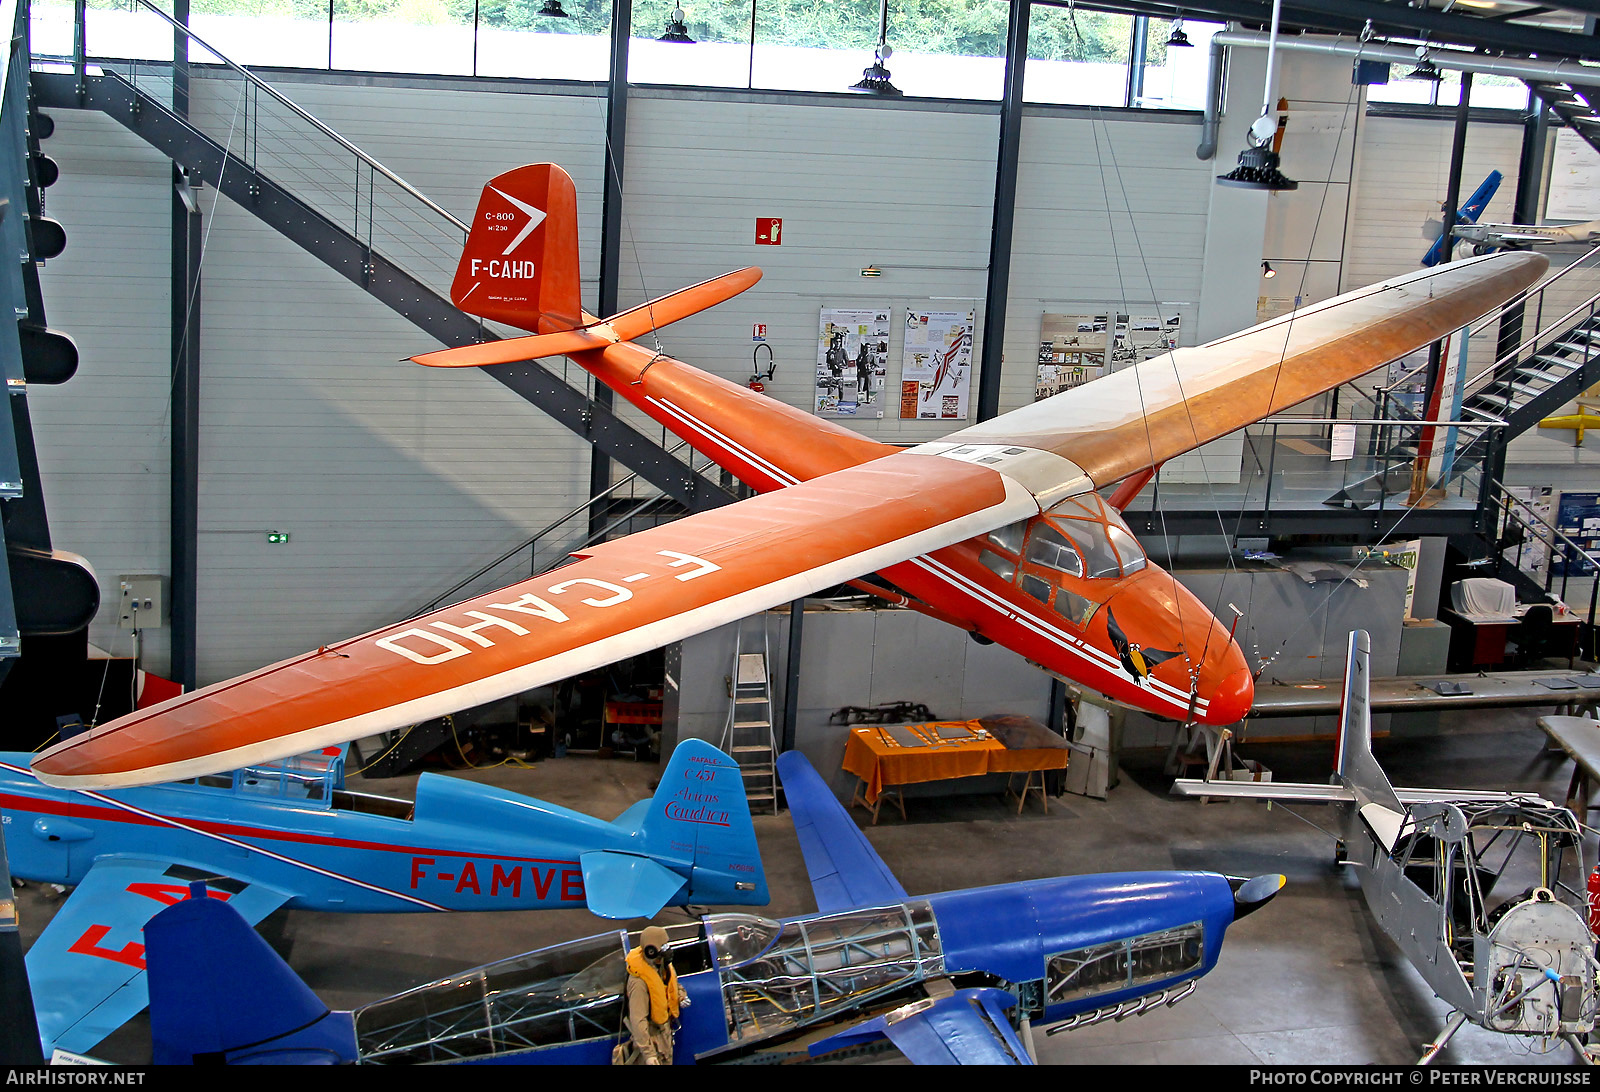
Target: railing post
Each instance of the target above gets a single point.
(80, 48)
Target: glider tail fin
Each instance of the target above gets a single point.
(520, 267)
(219, 993)
(520, 263)
(701, 811)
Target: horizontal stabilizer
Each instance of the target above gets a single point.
(513, 349)
(630, 324)
(1287, 792)
(621, 885)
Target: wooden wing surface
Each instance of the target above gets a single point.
(1142, 416)
(617, 600)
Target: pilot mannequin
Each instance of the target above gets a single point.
(653, 999)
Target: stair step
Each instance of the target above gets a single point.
(1549, 377)
(1526, 388)
(762, 700)
(752, 724)
(1558, 360)
(751, 748)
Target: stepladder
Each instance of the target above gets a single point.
(748, 737)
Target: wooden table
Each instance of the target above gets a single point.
(883, 765)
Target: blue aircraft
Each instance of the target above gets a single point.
(958, 977)
(1468, 213)
(290, 835)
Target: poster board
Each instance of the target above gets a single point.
(936, 365)
(852, 361)
(1072, 351)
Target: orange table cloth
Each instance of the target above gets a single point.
(880, 762)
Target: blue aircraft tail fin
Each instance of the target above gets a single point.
(219, 993)
(700, 812)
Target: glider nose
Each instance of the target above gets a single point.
(1231, 701)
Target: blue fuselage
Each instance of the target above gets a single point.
(1062, 947)
(463, 847)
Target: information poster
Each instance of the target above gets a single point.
(1529, 549)
(936, 365)
(852, 361)
(1140, 337)
(1072, 351)
(1577, 517)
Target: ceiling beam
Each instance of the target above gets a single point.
(1388, 20)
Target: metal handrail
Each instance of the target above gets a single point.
(537, 535)
(285, 100)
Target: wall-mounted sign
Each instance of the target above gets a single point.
(769, 230)
(758, 332)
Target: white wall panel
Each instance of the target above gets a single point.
(104, 437)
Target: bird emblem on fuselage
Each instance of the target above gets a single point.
(1136, 660)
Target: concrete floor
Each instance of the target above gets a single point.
(1306, 980)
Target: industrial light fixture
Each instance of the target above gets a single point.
(677, 28)
(872, 271)
(875, 77)
(1266, 269)
(1426, 69)
(1178, 37)
(1258, 163)
(552, 9)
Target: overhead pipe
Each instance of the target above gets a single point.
(1214, 96)
(1561, 71)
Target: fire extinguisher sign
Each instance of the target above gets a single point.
(769, 231)
(758, 332)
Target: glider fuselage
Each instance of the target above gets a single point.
(1048, 602)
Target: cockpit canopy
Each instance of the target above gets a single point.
(1081, 538)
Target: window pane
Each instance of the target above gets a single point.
(1093, 543)
(1128, 550)
(50, 28)
(1075, 608)
(515, 40)
(262, 32)
(1009, 537)
(718, 57)
(1036, 587)
(395, 36)
(1401, 88)
(950, 52)
(1002, 567)
(1047, 547)
(111, 30)
(1177, 77)
(1078, 57)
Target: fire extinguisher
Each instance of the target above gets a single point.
(1594, 901)
(759, 378)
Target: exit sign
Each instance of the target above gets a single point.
(769, 231)
(277, 538)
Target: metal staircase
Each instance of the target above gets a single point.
(262, 151)
(1574, 104)
(1522, 386)
(748, 737)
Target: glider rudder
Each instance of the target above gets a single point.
(520, 262)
